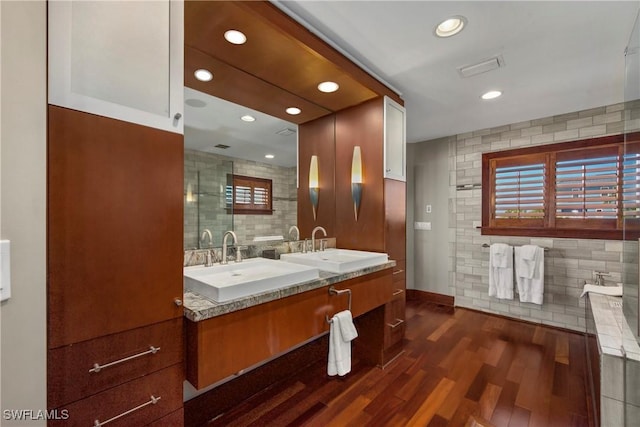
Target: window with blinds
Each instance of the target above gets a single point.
(587, 188)
(249, 195)
(519, 191)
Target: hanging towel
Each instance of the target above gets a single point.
(341, 332)
(530, 273)
(501, 271)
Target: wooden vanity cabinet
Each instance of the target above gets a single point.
(114, 257)
(264, 331)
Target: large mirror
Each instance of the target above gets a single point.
(224, 141)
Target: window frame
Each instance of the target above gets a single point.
(586, 228)
(252, 182)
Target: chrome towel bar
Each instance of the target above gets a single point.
(334, 291)
(486, 245)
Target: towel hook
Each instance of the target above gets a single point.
(334, 291)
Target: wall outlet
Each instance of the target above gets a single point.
(422, 225)
(5, 270)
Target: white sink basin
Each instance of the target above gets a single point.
(337, 260)
(251, 276)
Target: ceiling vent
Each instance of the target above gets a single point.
(286, 132)
(221, 146)
(481, 67)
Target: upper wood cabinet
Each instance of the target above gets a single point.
(122, 60)
(395, 140)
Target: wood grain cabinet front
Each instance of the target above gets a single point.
(259, 333)
(86, 368)
(135, 403)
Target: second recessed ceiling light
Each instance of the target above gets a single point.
(235, 37)
(293, 111)
(248, 118)
(450, 26)
(328, 87)
(203, 75)
(492, 94)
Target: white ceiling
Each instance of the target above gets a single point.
(560, 56)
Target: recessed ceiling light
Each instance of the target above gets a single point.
(203, 75)
(328, 87)
(248, 118)
(269, 156)
(450, 26)
(492, 94)
(293, 111)
(235, 37)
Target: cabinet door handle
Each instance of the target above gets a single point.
(177, 117)
(397, 272)
(397, 292)
(177, 302)
(395, 325)
(388, 170)
(98, 367)
(152, 401)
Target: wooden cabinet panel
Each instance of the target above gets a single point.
(395, 201)
(174, 419)
(267, 330)
(114, 234)
(69, 375)
(360, 126)
(165, 384)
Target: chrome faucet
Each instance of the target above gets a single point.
(313, 237)
(600, 277)
(224, 247)
(206, 232)
(296, 229)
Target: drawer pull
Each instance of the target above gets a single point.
(98, 367)
(177, 302)
(395, 325)
(397, 292)
(397, 272)
(153, 401)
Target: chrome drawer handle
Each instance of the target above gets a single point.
(98, 367)
(397, 272)
(397, 292)
(395, 325)
(153, 401)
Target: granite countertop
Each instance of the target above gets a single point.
(612, 330)
(198, 307)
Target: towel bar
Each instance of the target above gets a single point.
(486, 245)
(334, 291)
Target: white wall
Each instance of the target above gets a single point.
(23, 204)
(429, 250)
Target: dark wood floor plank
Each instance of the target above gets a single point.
(460, 368)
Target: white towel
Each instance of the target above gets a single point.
(341, 333)
(501, 271)
(530, 273)
(615, 291)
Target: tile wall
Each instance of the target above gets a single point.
(569, 262)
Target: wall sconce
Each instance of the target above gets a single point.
(314, 184)
(190, 198)
(356, 179)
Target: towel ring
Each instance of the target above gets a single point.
(334, 291)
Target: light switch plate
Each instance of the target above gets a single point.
(5, 270)
(428, 208)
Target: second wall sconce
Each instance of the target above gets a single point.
(356, 179)
(314, 184)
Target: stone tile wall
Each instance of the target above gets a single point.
(569, 262)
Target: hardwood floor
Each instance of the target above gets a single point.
(460, 368)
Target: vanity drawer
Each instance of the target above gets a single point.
(399, 271)
(174, 419)
(129, 404)
(394, 321)
(71, 371)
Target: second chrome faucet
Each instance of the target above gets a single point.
(224, 247)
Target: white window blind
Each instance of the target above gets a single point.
(587, 188)
(631, 186)
(520, 191)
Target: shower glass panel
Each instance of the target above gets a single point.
(205, 201)
(631, 183)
